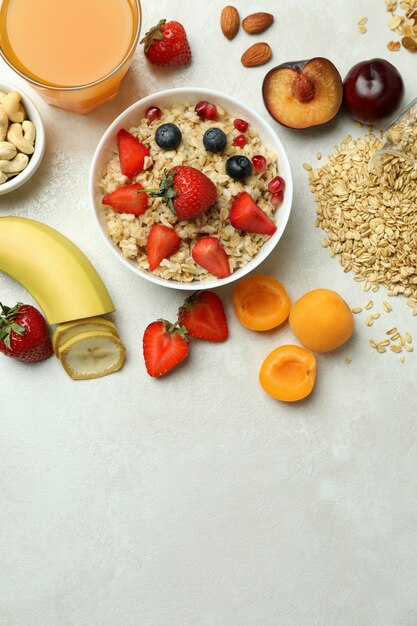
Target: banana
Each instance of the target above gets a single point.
(57, 274)
(70, 329)
(92, 354)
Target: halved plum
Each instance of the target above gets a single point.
(303, 94)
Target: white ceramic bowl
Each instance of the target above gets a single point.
(35, 158)
(163, 99)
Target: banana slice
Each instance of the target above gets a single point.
(92, 354)
(65, 331)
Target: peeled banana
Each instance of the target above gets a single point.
(65, 331)
(92, 354)
(57, 274)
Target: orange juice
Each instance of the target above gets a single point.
(68, 45)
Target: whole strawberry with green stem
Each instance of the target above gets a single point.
(187, 191)
(24, 333)
(167, 44)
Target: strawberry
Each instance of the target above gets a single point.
(187, 191)
(167, 44)
(246, 215)
(203, 316)
(24, 333)
(161, 244)
(132, 153)
(210, 254)
(127, 199)
(164, 346)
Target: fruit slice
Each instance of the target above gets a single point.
(246, 215)
(165, 345)
(288, 373)
(261, 302)
(64, 331)
(210, 254)
(132, 153)
(92, 354)
(126, 199)
(203, 316)
(162, 243)
(302, 94)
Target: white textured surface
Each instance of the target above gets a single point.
(197, 500)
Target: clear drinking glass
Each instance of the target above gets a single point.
(80, 98)
(400, 139)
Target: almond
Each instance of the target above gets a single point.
(258, 54)
(257, 22)
(229, 22)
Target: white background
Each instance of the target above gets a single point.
(197, 500)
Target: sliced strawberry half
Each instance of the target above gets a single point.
(210, 254)
(203, 316)
(246, 215)
(132, 153)
(162, 243)
(128, 199)
(165, 345)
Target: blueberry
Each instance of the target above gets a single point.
(168, 136)
(238, 167)
(214, 140)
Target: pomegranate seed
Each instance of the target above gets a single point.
(277, 198)
(240, 125)
(153, 113)
(259, 163)
(211, 111)
(240, 141)
(200, 108)
(276, 184)
(206, 110)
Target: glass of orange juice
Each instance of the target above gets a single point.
(75, 53)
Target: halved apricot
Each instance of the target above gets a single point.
(321, 320)
(288, 373)
(261, 302)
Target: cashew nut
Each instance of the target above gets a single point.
(7, 150)
(11, 106)
(2, 97)
(3, 177)
(16, 165)
(29, 131)
(15, 135)
(4, 124)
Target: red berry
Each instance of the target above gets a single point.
(240, 141)
(240, 125)
(259, 163)
(200, 108)
(153, 113)
(277, 198)
(206, 110)
(211, 111)
(276, 184)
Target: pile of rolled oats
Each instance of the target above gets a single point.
(404, 24)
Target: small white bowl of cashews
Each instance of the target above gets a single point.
(22, 137)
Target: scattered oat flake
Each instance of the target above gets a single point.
(375, 316)
(387, 307)
(391, 330)
(362, 30)
(348, 359)
(393, 46)
(369, 321)
(402, 359)
(368, 304)
(373, 343)
(307, 167)
(319, 155)
(357, 309)
(395, 348)
(409, 44)
(408, 348)
(408, 337)
(362, 21)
